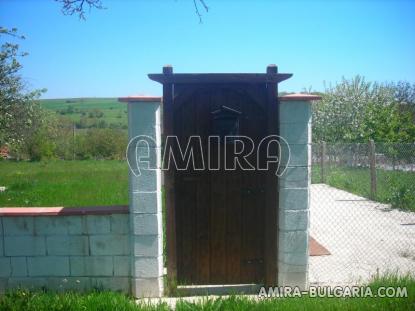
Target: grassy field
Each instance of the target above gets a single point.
(113, 111)
(24, 300)
(89, 182)
(394, 187)
(64, 183)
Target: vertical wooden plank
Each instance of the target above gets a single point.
(218, 214)
(271, 208)
(179, 202)
(217, 230)
(191, 128)
(203, 193)
(233, 203)
(243, 211)
(180, 190)
(203, 247)
(188, 256)
(168, 123)
(187, 202)
(233, 227)
(372, 163)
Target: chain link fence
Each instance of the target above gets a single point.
(362, 211)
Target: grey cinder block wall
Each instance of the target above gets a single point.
(116, 248)
(81, 250)
(144, 131)
(294, 190)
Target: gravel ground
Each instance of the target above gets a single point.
(364, 238)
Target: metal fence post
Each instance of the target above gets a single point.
(372, 164)
(323, 161)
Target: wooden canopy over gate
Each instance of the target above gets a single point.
(221, 224)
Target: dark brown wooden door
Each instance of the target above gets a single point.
(220, 214)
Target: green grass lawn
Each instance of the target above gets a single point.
(64, 183)
(24, 300)
(394, 187)
(114, 111)
(89, 182)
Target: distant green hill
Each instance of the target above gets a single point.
(89, 112)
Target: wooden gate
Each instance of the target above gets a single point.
(221, 219)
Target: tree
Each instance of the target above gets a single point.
(355, 110)
(404, 92)
(78, 7)
(20, 114)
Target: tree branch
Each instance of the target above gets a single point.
(202, 2)
(71, 7)
(78, 7)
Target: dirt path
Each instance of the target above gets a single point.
(363, 237)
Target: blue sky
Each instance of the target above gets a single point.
(111, 53)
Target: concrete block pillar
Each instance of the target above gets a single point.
(144, 159)
(294, 190)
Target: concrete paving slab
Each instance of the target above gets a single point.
(364, 238)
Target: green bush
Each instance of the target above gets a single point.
(101, 144)
(402, 196)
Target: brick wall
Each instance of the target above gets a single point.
(81, 250)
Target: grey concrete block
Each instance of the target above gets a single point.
(67, 245)
(92, 266)
(145, 203)
(297, 259)
(299, 154)
(147, 245)
(19, 266)
(27, 283)
(146, 224)
(58, 225)
(18, 226)
(295, 111)
(146, 158)
(48, 266)
(24, 246)
(294, 199)
(1, 246)
(98, 224)
(143, 288)
(289, 268)
(293, 241)
(118, 284)
(295, 133)
(110, 244)
(148, 267)
(120, 223)
(143, 119)
(291, 220)
(146, 182)
(5, 267)
(122, 265)
(78, 284)
(143, 157)
(292, 279)
(295, 177)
